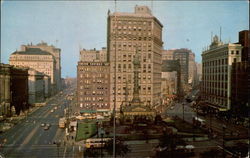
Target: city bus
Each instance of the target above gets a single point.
(96, 142)
(62, 122)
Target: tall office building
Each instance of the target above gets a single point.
(183, 56)
(192, 71)
(56, 53)
(126, 33)
(216, 73)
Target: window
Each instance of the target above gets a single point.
(232, 52)
(237, 52)
(235, 60)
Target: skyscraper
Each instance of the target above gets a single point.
(126, 33)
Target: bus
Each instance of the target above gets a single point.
(62, 122)
(96, 142)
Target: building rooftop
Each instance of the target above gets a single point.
(140, 12)
(32, 51)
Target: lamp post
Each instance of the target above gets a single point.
(183, 111)
(210, 120)
(102, 133)
(57, 143)
(223, 139)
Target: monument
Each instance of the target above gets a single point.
(136, 111)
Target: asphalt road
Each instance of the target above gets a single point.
(231, 130)
(28, 139)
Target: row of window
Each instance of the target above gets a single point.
(92, 99)
(212, 85)
(215, 70)
(219, 93)
(93, 105)
(220, 77)
(143, 99)
(135, 38)
(215, 62)
(123, 24)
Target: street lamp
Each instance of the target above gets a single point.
(183, 111)
(58, 143)
(102, 133)
(223, 139)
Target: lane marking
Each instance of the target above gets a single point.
(28, 138)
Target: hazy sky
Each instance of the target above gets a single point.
(75, 24)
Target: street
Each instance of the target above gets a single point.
(28, 139)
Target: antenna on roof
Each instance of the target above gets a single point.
(211, 36)
(220, 33)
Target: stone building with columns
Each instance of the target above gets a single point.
(39, 60)
(14, 90)
(56, 53)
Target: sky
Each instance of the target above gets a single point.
(72, 25)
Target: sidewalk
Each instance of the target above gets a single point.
(8, 123)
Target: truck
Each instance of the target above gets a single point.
(62, 122)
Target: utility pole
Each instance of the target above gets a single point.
(183, 112)
(114, 108)
(223, 140)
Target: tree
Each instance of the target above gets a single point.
(120, 148)
(91, 153)
(213, 153)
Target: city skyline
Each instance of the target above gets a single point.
(74, 25)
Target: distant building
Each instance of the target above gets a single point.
(36, 86)
(186, 59)
(14, 90)
(216, 73)
(183, 56)
(39, 60)
(199, 71)
(168, 54)
(171, 78)
(169, 83)
(93, 55)
(56, 53)
(126, 33)
(93, 85)
(192, 70)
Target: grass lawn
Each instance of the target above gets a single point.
(85, 130)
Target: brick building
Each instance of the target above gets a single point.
(93, 85)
